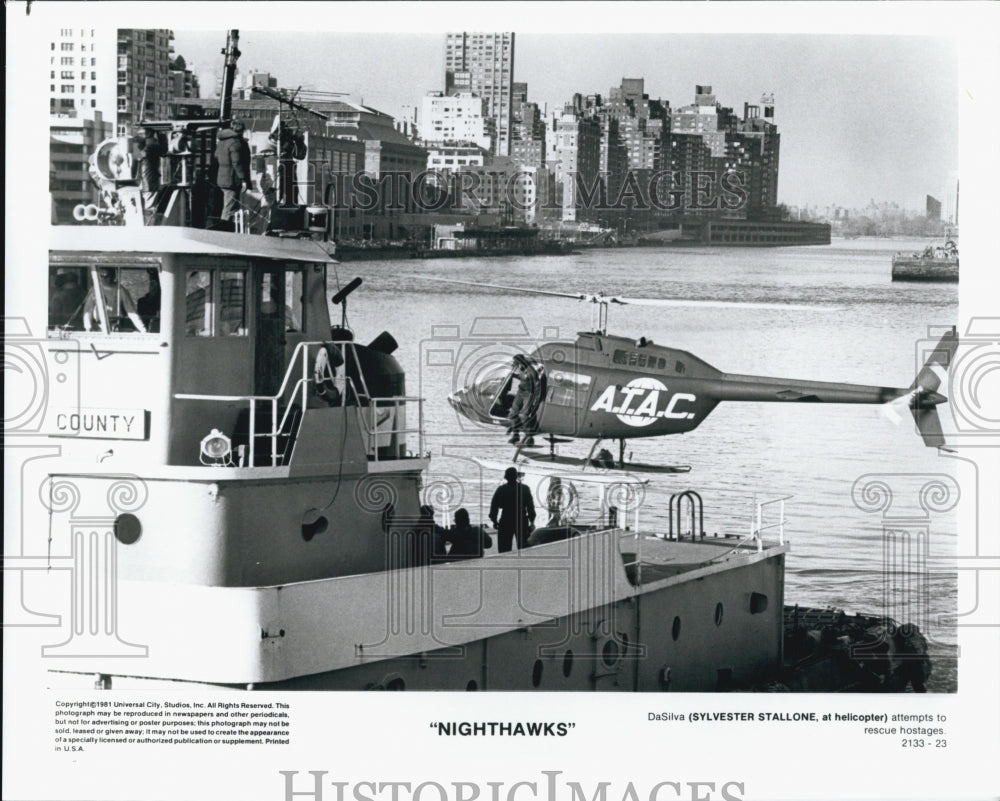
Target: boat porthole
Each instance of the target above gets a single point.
(610, 653)
(128, 529)
(472, 686)
(397, 683)
(536, 673)
(758, 603)
(718, 614)
(675, 629)
(312, 528)
(567, 663)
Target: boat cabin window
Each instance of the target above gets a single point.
(104, 298)
(207, 291)
(198, 302)
(295, 297)
(233, 302)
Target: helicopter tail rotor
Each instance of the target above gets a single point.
(923, 397)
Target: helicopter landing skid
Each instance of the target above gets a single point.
(591, 464)
(602, 461)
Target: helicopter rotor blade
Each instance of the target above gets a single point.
(717, 304)
(571, 295)
(623, 301)
(892, 410)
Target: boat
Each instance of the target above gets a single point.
(932, 264)
(465, 241)
(237, 497)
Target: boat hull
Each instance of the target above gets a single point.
(569, 615)
(917, 269)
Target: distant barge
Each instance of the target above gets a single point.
(933, 264)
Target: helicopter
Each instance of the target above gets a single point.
(608, 387)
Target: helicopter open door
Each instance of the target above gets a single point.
(524, 370)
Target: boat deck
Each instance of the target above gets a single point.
(649, 558)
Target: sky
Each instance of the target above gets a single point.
(861, 117)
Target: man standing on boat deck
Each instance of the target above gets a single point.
(150, 153)
(233, 155)
(513, 502)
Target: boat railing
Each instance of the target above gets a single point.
(293, 396)
(696, 514)
(760, 525)
(384, 423)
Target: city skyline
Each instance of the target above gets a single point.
(878, 114)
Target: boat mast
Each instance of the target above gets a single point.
(232, 54)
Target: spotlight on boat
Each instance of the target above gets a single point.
(216, 448)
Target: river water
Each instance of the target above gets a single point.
(837, 462)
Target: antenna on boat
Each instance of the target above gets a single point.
(142, 108)
(232, 54)
(341, 298)
(289, 144)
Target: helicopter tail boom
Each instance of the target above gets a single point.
(922, 396)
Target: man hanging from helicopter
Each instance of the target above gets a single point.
(521, 414)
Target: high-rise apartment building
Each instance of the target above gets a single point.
(456, 118)
(144, 83)
(578, 166)
(483, 64)
(81, 72)
(125, 73)
(707, 138)
(757, 140)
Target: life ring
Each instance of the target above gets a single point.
(328, 359)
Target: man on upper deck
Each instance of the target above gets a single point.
(233, 155)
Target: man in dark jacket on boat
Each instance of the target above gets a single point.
(513, 502)
(233, 155)
(150, 152)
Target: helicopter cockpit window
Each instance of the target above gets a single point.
(567, 388)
